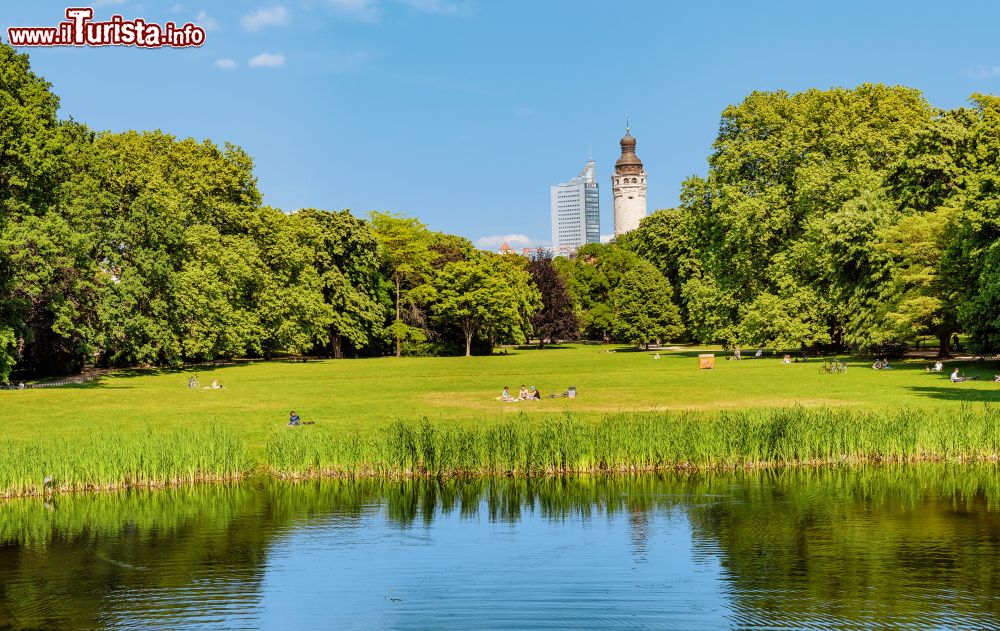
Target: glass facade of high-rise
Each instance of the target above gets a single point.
(593, 212)
(576, 212)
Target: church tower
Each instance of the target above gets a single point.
(628, 183)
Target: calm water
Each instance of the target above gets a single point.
(847, 549)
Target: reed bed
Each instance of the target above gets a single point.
(643, 442)
(109, 461)
(518, 446)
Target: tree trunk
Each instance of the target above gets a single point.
(943, 339)
(468, 344)
(399, 352)
(338, 350)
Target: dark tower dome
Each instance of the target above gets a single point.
(629, 162)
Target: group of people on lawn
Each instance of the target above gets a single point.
(524, 395)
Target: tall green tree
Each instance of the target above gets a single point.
(347, 258)
(644, 311)
(486, 295)
(783, 166)
(973, 259)
(407, 259)
(597, 269)
(46, 297)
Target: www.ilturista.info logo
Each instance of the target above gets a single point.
(79, 29)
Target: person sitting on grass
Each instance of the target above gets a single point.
(505, 395)
(956, 377)
(293, 419)
(523, 394)
(535, 394)
(759, 353)
(787, 359)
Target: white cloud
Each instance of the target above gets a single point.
(224, 64)
(982, 72)
(493, 242)
(206, 21)
(268, 60)
(177, 8)
(438, 7)
(362, 10)
(605, 238)
(261, 18)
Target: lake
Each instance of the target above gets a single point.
(838, 548)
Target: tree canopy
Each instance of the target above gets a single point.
(861, 219)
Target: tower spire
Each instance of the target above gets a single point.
(626, 125)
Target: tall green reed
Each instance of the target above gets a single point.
(101, 461)
(629, 442)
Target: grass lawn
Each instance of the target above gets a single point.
(361, 395)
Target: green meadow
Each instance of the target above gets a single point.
(442, 416)
(367, 394)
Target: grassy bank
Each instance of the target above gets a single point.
(633, 412)
(514, 446)
(367, 395)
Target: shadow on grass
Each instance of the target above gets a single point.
(110, 380)
(536, 347)
(958, 392)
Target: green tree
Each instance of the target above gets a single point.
(40, 279)
(972, 261)
(591, 277)
(486, 295)
(347, 258)
(407, 258)
(783, 166)
(644, 311)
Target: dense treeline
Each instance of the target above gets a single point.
(856, 219)
(862, 219)
(139, 248)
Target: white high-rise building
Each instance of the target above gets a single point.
(628, 184)
(576, 212)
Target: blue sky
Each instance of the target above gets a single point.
(464, 112)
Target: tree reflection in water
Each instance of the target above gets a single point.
(916, 545)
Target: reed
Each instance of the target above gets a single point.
(643, 442)
(95, 461)
(519, 446)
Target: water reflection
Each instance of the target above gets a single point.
(896, 547)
